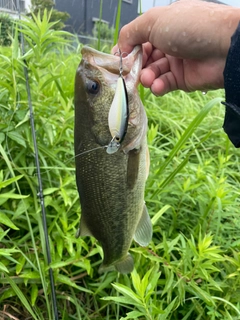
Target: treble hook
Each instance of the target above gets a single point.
(120, 64)
(121, 61)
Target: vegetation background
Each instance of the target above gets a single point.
(191, 269)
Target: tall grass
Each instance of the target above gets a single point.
(191, 270)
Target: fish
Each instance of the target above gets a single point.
(111, 185)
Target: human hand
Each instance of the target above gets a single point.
(185, 45)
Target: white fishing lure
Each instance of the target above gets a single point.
(118, 114)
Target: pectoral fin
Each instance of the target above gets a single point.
(147, 162)
(132, 167)
(143, 233)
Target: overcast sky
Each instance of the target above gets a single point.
(146, 4)
(235, 3)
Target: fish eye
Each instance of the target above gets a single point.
(93, 86)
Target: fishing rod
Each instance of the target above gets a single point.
(40, 185)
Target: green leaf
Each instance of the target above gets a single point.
(127, 292)
(34, 294)
(153, 279)
(167, 311)
(49, 80)
(187, 134)
(3, 268)
(17, 137)
(21, 297)
(3, 233)
(117, 24)
(66, 280)
(228, 303)
(8, 252)
(137, 283)
(5, 183)
(8, 293)
(7, 222)
(158, 215)
(48, 191)
(204, 295)
(169, 282)
(134, 315)
(22, 207)
(122, 300)
(30, 275)
(9, 195)
(2, 137)
(60, 244)
(20, 265)
(6, 159)
(84, 264)
(60, 264)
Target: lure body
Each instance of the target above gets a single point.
(118, 116)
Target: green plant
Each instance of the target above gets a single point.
(58, 17)
(191, 270)
(103, 30)
(6, 30)
(17, 153)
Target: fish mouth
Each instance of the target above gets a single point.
(109, 64)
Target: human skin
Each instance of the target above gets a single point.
(185, 45)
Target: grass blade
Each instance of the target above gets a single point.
(117, 24)
(21, 297)
(187, 134)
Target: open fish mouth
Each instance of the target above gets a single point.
(108, 64)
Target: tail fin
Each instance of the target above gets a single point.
(124, 265)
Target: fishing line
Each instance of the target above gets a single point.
(40, 186)
(87, 151)
(71, 159)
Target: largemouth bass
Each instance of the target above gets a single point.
(111, 185)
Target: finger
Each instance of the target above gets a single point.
(114, 49)
(151, 54)
(156, 55)
(147, 51)
(154, 71)
(137, 31)
(164, 84)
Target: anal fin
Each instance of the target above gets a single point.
(83, 229)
